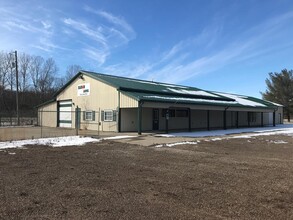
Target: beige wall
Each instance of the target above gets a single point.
(47, 115)
(101, 97)
(127, 102)
(129, 119)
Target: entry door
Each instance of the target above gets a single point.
(156, 119)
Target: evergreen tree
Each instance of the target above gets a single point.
(280, 90)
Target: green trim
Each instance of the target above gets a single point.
(65, 121)
(65, 105)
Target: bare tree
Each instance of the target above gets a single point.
(71, 71)
(43, 75)
(24, 61)
(36, 71)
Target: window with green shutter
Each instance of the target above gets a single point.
(109, 115)
(89, 115)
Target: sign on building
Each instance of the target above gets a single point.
(83, 89)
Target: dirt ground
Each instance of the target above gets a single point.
(224, 179)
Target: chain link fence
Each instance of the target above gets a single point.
(26, 118)
(43, 124)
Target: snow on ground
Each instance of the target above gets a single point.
(57, 141)
(220, 134)
(175, 144)
(279, 129)
(118, 137)
(54, 142)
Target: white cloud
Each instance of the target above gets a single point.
(46, 24)
(86, 30)
(105, 36)
(96, 54)
(182, 62)
(117, 21)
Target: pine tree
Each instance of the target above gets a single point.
(280, 90)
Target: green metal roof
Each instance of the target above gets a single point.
(143, 90)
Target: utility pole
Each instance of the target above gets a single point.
(17, 103)
(16, 76)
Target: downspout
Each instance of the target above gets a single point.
(274, 116)
(139, 117)
(225, 118)
(119, 113)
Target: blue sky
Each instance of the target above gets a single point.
(220, 45)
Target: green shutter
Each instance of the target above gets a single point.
(94, 115)
(102, 116)
(114, 115)
(83, 117)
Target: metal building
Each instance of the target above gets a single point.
(102, 102)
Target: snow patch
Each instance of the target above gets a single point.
(176, 144)
(54, 142)
(192, 92)
(242, 100)
(279, 142)
(118, 137)
(258, 131)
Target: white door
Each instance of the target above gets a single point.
(65, 114)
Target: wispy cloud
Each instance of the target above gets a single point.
(119, 22)
(96, 54)
(106, 36)
(182, 62)
(96, 35)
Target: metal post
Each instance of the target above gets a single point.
(41, 123)
(167, 116)
(237, 119)
(208, 119)
(225, 116)
(99, 123)
(189, 120)
(139, 117)
(76, 120)
(17, 104)
(248, 119)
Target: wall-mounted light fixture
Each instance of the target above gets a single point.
(81, 77)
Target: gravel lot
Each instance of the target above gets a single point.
(224, 179)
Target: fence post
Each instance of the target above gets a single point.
(77, 120)
(99, 122)
(41, 124)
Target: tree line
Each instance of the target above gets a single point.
(38, 80)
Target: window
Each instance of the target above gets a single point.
(108, 115)
(171, 112)
(89, 116)
(175, 113)
(182, 113)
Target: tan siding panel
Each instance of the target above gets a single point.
(127, 102)
(47, 115)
